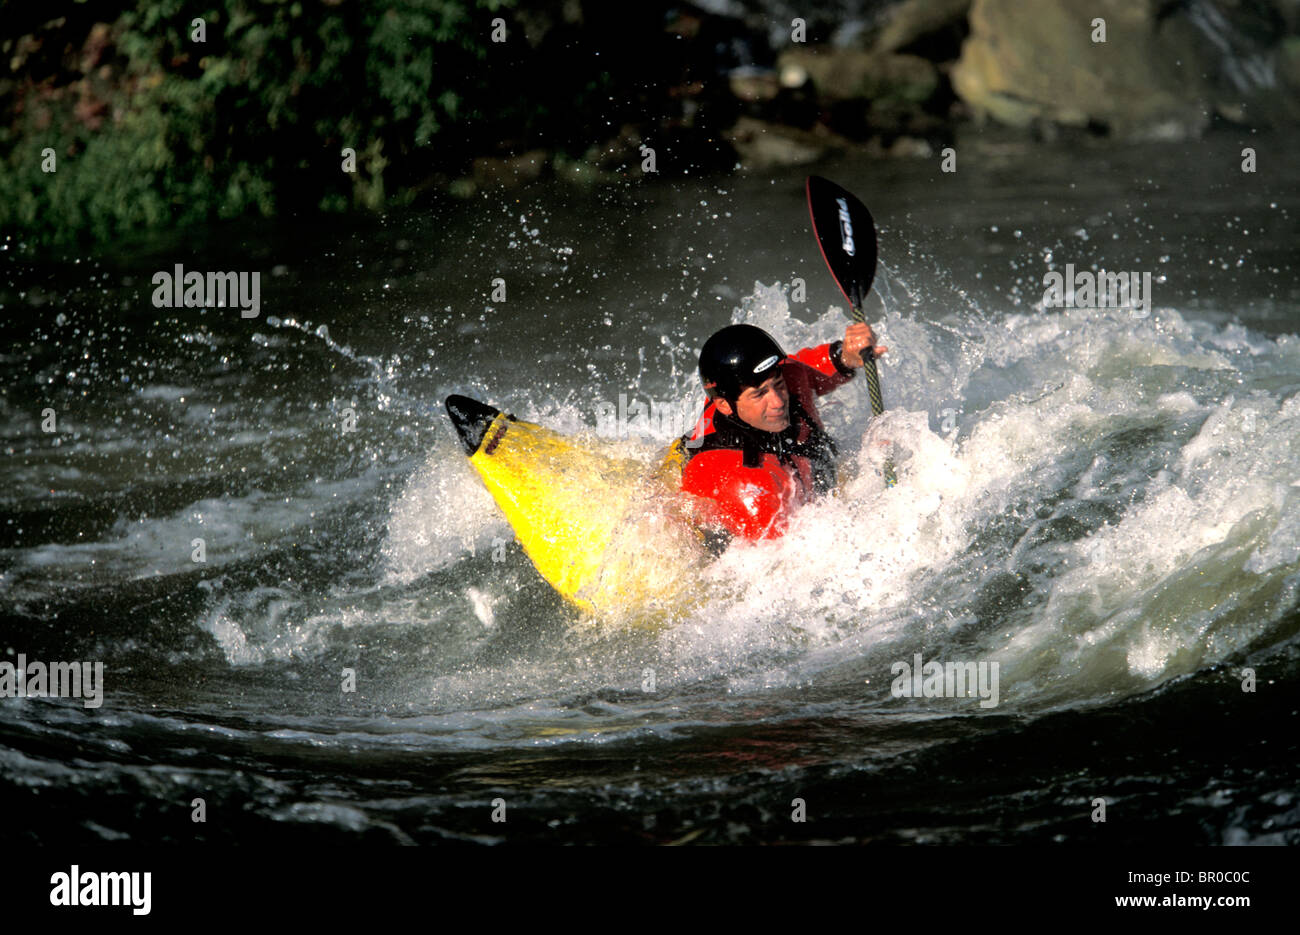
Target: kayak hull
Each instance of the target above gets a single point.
(607, 532)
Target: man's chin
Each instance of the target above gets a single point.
(769, 427)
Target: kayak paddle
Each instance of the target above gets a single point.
(850, 254)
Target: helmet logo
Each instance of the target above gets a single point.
(767, 363)
(846, 227)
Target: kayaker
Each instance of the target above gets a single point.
(759, 450)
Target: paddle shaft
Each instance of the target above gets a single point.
(873, 391)
(852, 264)
(869, 368)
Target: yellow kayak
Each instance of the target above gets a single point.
(611, 534)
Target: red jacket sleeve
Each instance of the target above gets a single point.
(747, 502)
(825, 375)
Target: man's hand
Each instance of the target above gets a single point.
(857, 339)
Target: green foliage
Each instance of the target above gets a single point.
(153, 129)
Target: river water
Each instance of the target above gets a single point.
(1103, 503)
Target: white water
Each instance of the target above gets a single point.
(1182, 543)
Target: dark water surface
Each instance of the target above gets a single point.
(1106, 505)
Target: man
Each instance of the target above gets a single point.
(759, 450)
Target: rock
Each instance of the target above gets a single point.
(579, 172)
(509, 172)
(763, 145)
(755, 85)
(844, 74)
(1160, 74)
(904, 147)
(918, 21)
(616, 153)
(462, 188)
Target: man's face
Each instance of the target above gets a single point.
(766, 406)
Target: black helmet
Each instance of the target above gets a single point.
(736, 357)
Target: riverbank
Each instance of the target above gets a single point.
(185, 113)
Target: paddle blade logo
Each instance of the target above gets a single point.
(846, 227)
(834, 210)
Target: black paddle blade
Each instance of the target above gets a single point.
(471, 419)
(846, 235)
